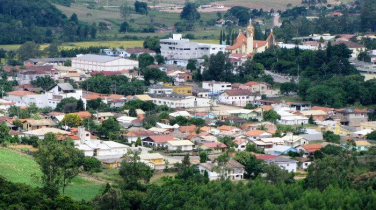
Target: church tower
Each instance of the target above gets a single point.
(250, 31)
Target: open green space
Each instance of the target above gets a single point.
(22, 168)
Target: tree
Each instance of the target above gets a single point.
(152, 43)
(71, 120)
(108, 127)
(52, 51)
(125, 11)
(288, 87)
(124, 27)
(45, 82)
(190, 12)
(67, 105)
(80, 105)
(310, 120)
(138, 142)
(91, 164)
(4, 133)
(271, 116)
(253, 166)
(191, 64)
(203, 157)
(59, 163)
(112, 199)
(372, 135)
(160, 59)
(132, 112)
(102, 26)
(141, 7)
(93, 31)
(132, 170)
(329, 136)
(363, 56)
(74, 18)
(154, 74)
(145, 60)
(68, 63)
(28, 50)
(276, 175)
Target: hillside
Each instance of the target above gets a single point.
(23, 20)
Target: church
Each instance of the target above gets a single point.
(245, 45)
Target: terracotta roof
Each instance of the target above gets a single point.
(266, 107)
(238, 92)
(239, 141)
(230, 164)
(83, 114)
(349, 44)
(311, 147)
(226, 128)
(21, 93)
(264, 157)
(190, 128)
(238, 41)
(161, 138)
(214, 145)
(105, 73)
(325, 109)
(255, 132)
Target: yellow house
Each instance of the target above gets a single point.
(154, 158)
(368, 125)
(184, 90)
(111, 163)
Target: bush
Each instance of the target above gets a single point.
(92, 164)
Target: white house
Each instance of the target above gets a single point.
(216, 87)
(98, 148)
(284, 163)
(288, 118)
(183, 101)
(92, 62)
(232, 170)
(237, 97)
(294, 141)
(177, 48)
(183, 145)
(159, 90)
(42, 131)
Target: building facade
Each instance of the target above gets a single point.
(91, 63)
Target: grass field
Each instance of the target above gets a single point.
(111, 44)
(21, 168)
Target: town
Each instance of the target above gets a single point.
(255, 119)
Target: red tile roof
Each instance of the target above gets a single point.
(161, 138)
(311, 147)
(255, 132)
(238, 92)
(214, 145)
(21, 93)
(264, 157)
(190, 128)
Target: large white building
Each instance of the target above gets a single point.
(179, 48)
(91, 63)
(237, 97)
(184, 102)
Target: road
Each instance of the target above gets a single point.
(278, 78)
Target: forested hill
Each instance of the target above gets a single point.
(28, 20)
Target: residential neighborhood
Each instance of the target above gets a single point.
(187, 105)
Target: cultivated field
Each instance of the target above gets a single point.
(21, 168)
(111, 44)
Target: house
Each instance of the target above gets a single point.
(256, 87)
(304, 163)
(356, 48)
(180, 145)
(202, 138)
(98, 148)
(184, 90)
(232, 170)
(237, 97)
(216, 88)
(308, 149)
(103, 116)
(137, 51)
(213, 147)
(132, 136)
(245, 114)
(284, 163)
(368, 125)
(188, 129)
(226, 128)
(183, 101)
(180, 113)
(30, 74)
(362, 145)
(241, 144)
(288, 118)
(90, 62)
(159, 90)
(293, 140)
(43, 131)
(157, 140)
(31, 124)
(351, 117)
(4, 104)
(319, 115)
(280, 150)
(257, 134)
(155, 159)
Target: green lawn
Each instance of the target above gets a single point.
(18, 168)
(21, 168)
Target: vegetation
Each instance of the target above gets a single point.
(45, 82)
(101, 84)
